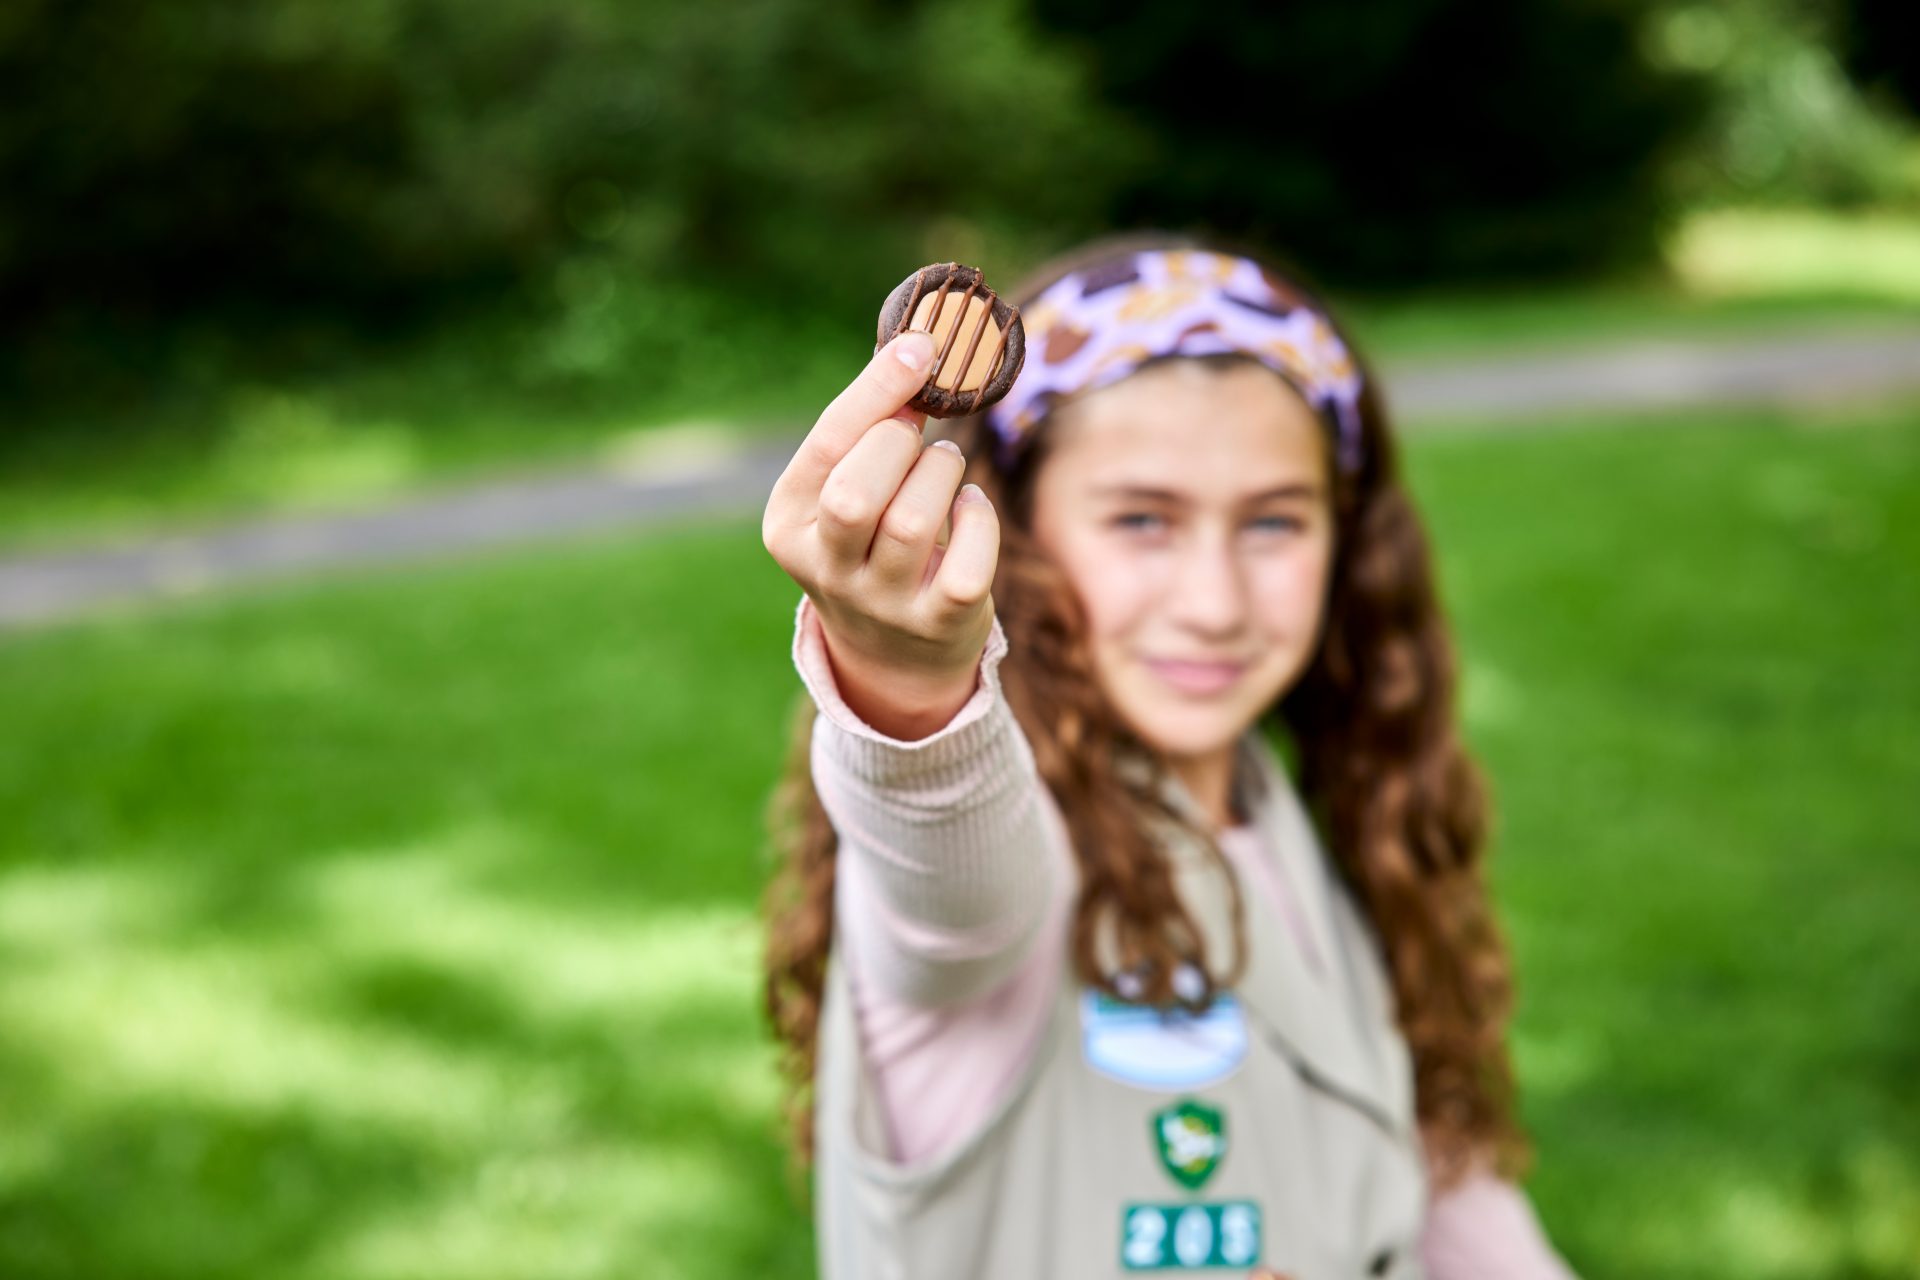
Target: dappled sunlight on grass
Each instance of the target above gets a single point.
(1691, 1213)
(1561, 1064)
(1487, 695)
(556, 1080)
(218, 1027)
(375, 913)
(1768, 1231)
(321, 1015)
(1700, 737)
(552, 963)
(550, 1216)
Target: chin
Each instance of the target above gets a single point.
(1190, 730)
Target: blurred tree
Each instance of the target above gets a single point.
(372, 160)
(1787, 125)
(1417, 140)
(170, 157)
(1881, 41)
(368, 158)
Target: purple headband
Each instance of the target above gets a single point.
(1097, 325)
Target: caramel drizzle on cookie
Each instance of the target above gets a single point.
(953, 334)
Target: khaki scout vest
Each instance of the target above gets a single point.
(1277, 1131)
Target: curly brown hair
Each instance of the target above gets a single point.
(1371, 728)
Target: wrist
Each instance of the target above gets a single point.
(906, 705)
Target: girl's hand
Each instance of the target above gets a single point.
(856, 519)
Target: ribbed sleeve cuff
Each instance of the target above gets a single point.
(941, 757)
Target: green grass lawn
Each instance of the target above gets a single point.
(623, 358)
(403, 924)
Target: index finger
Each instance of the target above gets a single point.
(880, 390)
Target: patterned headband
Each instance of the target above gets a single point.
(1097, 325)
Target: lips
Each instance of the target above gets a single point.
(1196, 677)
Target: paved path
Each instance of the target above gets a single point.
(678, 473)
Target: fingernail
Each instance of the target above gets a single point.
(914, 349)
(970, 492)
(947, 444)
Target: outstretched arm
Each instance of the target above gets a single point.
(948, 909)
(945, 866)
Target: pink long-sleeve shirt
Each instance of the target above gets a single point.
(951, 915)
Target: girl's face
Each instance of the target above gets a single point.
(1190, 507)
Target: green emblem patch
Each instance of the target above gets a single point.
(1191, 1139)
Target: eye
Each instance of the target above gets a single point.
(1141, 520)
(1279, 524)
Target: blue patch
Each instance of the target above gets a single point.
(1171, 1049)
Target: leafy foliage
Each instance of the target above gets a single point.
(369, 156)
(1428, 140)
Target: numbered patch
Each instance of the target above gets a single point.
(1171, 1049)
(1165, 1237)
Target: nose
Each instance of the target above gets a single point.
(1209, 590)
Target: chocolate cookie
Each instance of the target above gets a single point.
(948, 299)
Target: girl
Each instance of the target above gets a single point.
(1133, 915)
